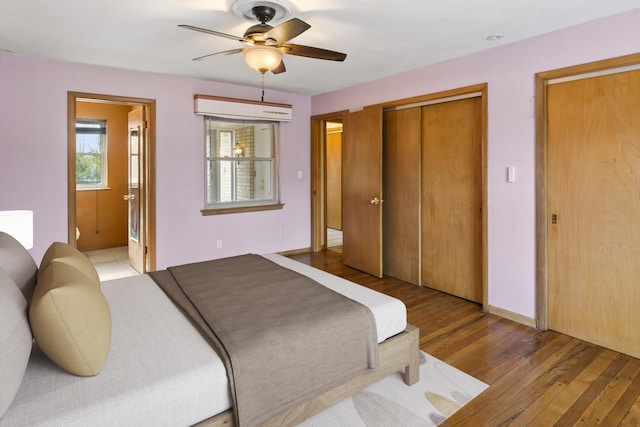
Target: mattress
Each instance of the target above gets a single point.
(157, 361)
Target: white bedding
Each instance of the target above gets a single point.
(390, 313)
(157, 361)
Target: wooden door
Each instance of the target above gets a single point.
(452, 197)
(334, 179)
(401, 208)
(362, 191)
(593, 218)
(136, 194)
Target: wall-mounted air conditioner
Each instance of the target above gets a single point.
(241, 109)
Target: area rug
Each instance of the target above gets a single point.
(441, 391)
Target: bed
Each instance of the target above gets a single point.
(159, 369)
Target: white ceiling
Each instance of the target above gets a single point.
(380, 37)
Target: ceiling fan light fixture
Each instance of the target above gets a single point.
(262, 58)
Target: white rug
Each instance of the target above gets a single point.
(441, 391)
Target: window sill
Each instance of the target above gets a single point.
(258, 208)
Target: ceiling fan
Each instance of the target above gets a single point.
(265, 44)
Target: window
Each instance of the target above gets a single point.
(91, 153)
(241, 166)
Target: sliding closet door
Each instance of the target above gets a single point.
(401, 207)
(452, 197)
(593, 218)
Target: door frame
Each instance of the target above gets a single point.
(319, 177)
(318, 171)
(149, 166)
(541, 126)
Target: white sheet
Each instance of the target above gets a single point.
(159, 371)
(390, 313)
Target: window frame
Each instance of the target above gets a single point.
(235, 206)
(104, 146)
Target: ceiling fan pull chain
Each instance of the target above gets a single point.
(262, 86)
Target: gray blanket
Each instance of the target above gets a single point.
(283, 337)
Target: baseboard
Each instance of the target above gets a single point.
(527, 321)
(295, 252)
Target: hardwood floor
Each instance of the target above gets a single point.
(535, 378)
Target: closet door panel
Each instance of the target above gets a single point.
(451, 212)
(401, 207)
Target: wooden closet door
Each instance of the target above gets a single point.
(362, 191)
(401, 208)
(593, 221)
(452, 198)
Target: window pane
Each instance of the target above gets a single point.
(225, 144)
(211, 136)
(240, 164)
(239, 180)
(88, 143)
(220, 181)
(91, 147)
(262, 141)
(88, 169)
(263, 189)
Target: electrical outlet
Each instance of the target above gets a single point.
(219, 244)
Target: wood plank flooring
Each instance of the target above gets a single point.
(535, 378)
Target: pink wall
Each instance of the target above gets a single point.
(33, 159)
(509, 70)
(33, 141)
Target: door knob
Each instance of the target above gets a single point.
(376, 201)
(129, 197)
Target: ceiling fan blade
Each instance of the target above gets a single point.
(214, 33)
(280, 68)
(226, 52)
(313, 52)
(287, 30)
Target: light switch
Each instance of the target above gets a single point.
(299, 174)
(511, 174)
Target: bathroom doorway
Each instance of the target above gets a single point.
(111, 176)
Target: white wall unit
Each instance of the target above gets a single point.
(232, 108)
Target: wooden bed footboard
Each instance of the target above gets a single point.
(396, 353)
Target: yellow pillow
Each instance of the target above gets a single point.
(69, 254)
(70, 319)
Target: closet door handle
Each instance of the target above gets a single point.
(376, 201)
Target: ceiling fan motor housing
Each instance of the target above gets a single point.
(245, 9)
(256, 32)
(263, 14)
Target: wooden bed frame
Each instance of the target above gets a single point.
(396, 353)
